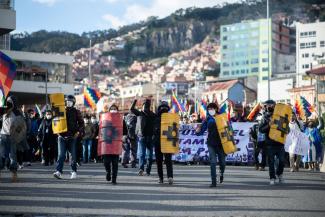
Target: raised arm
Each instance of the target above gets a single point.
(134, 110)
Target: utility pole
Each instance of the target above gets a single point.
(46, 93)
(89, 66)
(269, 43)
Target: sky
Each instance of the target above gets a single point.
(79, 16)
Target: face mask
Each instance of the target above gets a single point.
(69, 104)
(212, 112)
(113, 111)
(93, 120)
(86, 121)
(48, 117)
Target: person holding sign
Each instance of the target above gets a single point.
(165, 139)
(110, 141)
(294, 159)
(214, 144)
(67, 139)
(275, 125)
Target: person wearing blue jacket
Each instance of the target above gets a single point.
(214, 144)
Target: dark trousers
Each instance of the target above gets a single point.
(111, 162)
(159, 161)
(129, 148)
(279, 152)
(94, 150)
(48, 153)
(260, 148)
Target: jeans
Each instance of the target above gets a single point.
(145, 147)
(65, 144)
(111, 162)
(279, 152)
(8, 150)
(213, 151)
(129, 147)
(159, 160)
(260, 148)
(86, 153)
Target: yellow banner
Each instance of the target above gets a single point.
(59, 122)
(280, 123)
(169, 138)
(226, 133)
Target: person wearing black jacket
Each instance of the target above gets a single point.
(129, 140)
(163, 108)
(214, 144)
(47, 139)
(144, 131)
(274, 148)
(68, 140)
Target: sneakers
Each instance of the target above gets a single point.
(73, 175)
(28, 164)
(160, 181)
(20, 167)
(213, 185)
(140, 173)
(125, 165)
(114, 182)
(256, 167)
(262, 169)
(281, 179)
(57, 175)
(272, 182)
(170, 181)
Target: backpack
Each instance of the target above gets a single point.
(19, 129)
(131, 122)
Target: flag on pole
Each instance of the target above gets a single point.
(226, 107)
(176, 103)
(257, 108)
(7, 75)
(203, 110)
(91, 97)
(303, 108)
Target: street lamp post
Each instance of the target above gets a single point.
(46, 93)
(268, 53)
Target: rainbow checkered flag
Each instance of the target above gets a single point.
(303, 108)
(91, 97)
(7, 75)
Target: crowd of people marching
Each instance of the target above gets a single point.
(28, 137)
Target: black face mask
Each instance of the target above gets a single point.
(270, 109)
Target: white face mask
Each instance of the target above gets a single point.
(93, 121)
(212, 112)
(48, 116)
(86, 121)
(69, 104)
(113, 111)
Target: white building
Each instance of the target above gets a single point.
(30, 84)
(310, 44)
(278, 90)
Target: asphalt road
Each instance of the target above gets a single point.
(245, 192)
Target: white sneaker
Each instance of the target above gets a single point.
(73, 175)
(57, 175)
(272, 182)
(170, 181)
(281, 179)
(20, 167)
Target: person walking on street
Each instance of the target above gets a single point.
(214, 144)
(144, 131)
(68, 140)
